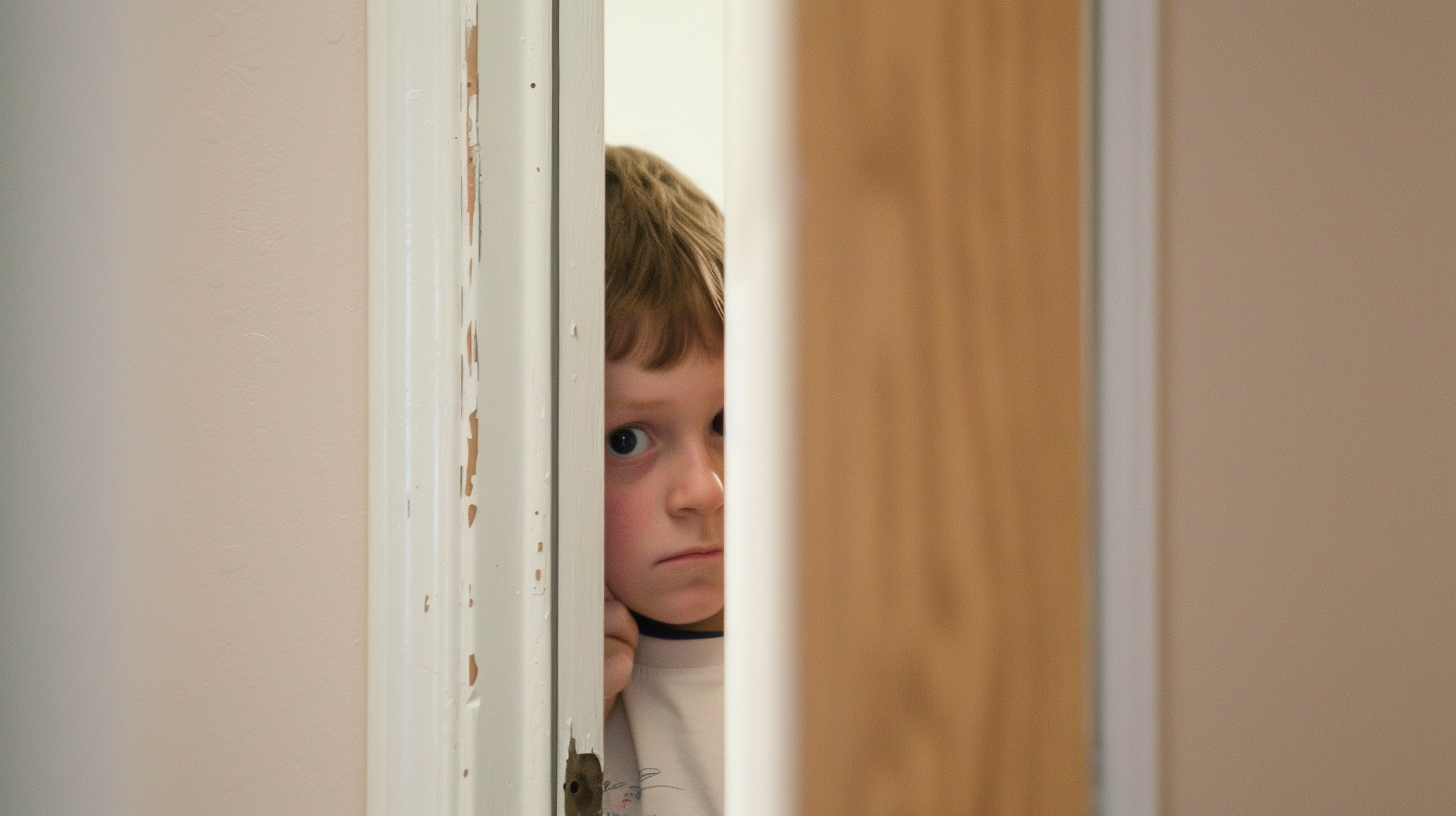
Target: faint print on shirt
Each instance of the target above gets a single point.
(628, 793)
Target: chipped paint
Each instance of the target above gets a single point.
(472, 59)
(472, 91)
(471, 453)
(435, 51)
(470, 180)
(468, 346)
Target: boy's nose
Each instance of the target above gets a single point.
(698, 487)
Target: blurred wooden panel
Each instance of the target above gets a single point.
(942, 461)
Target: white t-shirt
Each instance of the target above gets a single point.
(664, 739)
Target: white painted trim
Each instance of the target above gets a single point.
(1126, 317)
(485, 402)
(580, 248)
(761, 686)
(511, 585)
(419, 541)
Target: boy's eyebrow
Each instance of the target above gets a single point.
(638, 404)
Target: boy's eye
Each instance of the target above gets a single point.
(627, 442)
(718, 423)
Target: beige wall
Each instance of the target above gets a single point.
(183, 409)
(61, 439)
(248, 590)
(1310, 407)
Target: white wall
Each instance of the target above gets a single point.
(664, 83)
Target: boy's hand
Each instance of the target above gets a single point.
(620, 649)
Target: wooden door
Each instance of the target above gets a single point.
(942, 468)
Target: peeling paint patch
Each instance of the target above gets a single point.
(473, 451)
(427, 603)
(470, 516)
(473, 670)
(472, 89)
(472, 60)
(470, 183)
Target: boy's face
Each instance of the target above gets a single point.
(664, 490)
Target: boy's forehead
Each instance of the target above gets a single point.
(629, 384)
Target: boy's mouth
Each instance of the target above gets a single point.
(693, 556)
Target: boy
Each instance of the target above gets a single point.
(663, 665)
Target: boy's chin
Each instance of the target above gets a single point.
(712, 623)
(687, 613)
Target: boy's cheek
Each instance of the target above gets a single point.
(626, 515)
(621, 527)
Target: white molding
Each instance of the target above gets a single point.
(511, 584)
(481, 229)
(761, 684)
(580, 277)
(515, 570)
(420, 400)
(1126, 370)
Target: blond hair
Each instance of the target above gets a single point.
(664, 263)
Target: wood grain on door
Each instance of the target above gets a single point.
(942, 465)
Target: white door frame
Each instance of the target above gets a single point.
(485, 510)
(760, 219)
(1125, 378)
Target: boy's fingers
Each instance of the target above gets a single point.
(619, 624)
(618, 662)
(619, 648)
(616, 670)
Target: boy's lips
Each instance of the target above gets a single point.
(694, 556)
